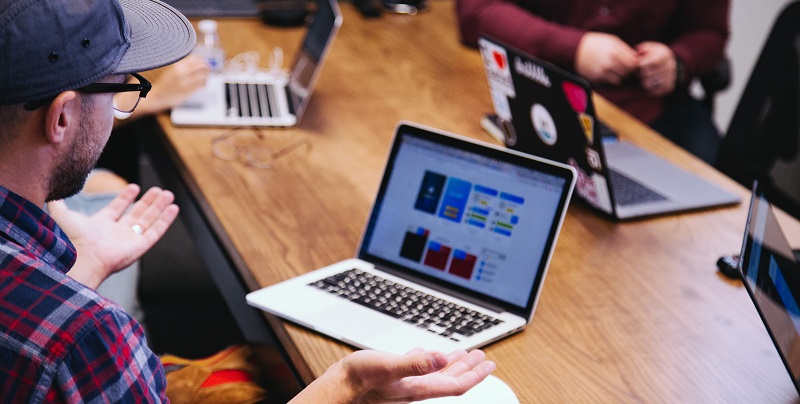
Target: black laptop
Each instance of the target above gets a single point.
(549, 112)
(771, 275)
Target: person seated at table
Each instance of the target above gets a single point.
(174, 85)
(62, 342)
(641, 56)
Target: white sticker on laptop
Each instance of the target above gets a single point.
(593, 188)
(498, 71)
(601, 190)
(501, 105)
(543, 124)
(593, 158)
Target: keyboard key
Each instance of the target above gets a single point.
(250, 100)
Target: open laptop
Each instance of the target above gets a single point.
(265, 98)
(771, 274)
(453, 254)
(549, 112)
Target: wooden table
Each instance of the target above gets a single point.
(630, 312)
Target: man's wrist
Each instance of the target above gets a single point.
(332, 387)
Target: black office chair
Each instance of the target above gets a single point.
(715, 81)
(763, 139)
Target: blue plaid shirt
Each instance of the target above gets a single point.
(59, 340)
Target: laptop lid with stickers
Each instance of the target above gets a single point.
(546, 111)
(529, 99)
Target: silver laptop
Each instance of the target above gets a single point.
(549, 112)
(265, 98)
(453, 255)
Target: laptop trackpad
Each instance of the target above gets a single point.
(365, 328)
(352, 322)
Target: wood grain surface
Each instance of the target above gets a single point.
(630, 312)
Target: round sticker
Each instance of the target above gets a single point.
(509, 134)
(543, 124)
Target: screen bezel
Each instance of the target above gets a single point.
(758, 193)
(299, 104)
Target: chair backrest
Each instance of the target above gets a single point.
(715, 81)
(763, 139)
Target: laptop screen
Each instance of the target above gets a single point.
(771, 273)
(475, 219)
(315, 46)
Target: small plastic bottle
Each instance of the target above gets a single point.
(209, 47)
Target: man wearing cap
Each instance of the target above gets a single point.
(61, 62)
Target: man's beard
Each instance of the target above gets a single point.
(76, 163)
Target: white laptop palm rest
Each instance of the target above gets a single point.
(453, 255)
(235, 98)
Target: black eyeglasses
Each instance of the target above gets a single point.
(125, 105)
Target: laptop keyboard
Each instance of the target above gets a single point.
(250, 100)
(629, 192)
(434, 314)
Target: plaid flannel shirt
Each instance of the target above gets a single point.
(59, 340)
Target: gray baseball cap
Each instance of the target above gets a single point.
(51, 46)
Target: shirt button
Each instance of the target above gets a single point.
(604, 11)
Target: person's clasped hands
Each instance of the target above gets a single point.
(657, 68)
(605, 59)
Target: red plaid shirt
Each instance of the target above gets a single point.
(59, 340)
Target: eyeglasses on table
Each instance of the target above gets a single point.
(261, 150)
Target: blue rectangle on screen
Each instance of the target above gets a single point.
(455, 198)
(476, 223)
(480, 211)
(502, 231)
(485, 190)
(512, 198)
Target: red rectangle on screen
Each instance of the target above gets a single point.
(463, 264)
(437, 255)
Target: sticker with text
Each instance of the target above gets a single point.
(498, 71)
